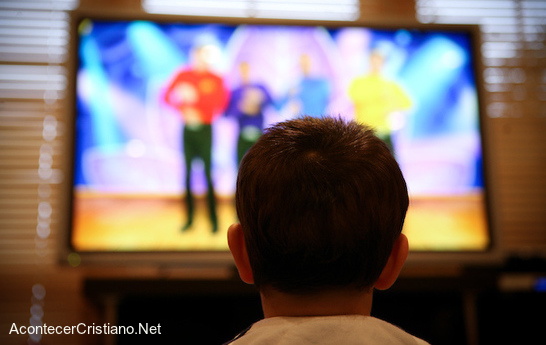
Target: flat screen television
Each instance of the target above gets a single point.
(140, 109)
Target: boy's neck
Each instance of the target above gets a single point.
(329, 303)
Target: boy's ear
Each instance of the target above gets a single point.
(394, 265)
(237, 246)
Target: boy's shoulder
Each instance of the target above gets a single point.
(343, 329)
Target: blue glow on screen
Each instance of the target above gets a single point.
(124, 67)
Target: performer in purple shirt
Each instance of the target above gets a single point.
(247, 103)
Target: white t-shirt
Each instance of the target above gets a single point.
(335, 330)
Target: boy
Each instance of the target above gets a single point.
(321, 204)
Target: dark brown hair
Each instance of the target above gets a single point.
(321, 203)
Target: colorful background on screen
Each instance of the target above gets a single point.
(128, 139)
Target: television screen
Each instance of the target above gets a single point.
(166, 110)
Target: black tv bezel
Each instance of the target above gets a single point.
(223, 259)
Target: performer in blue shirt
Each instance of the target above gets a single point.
(312, 95)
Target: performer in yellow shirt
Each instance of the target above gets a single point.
(378, 101)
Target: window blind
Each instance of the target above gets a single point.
(513, 34)
(33, 48)
(283, 9)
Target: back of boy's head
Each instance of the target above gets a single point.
(321, 203)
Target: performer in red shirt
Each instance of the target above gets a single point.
(200, 96)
